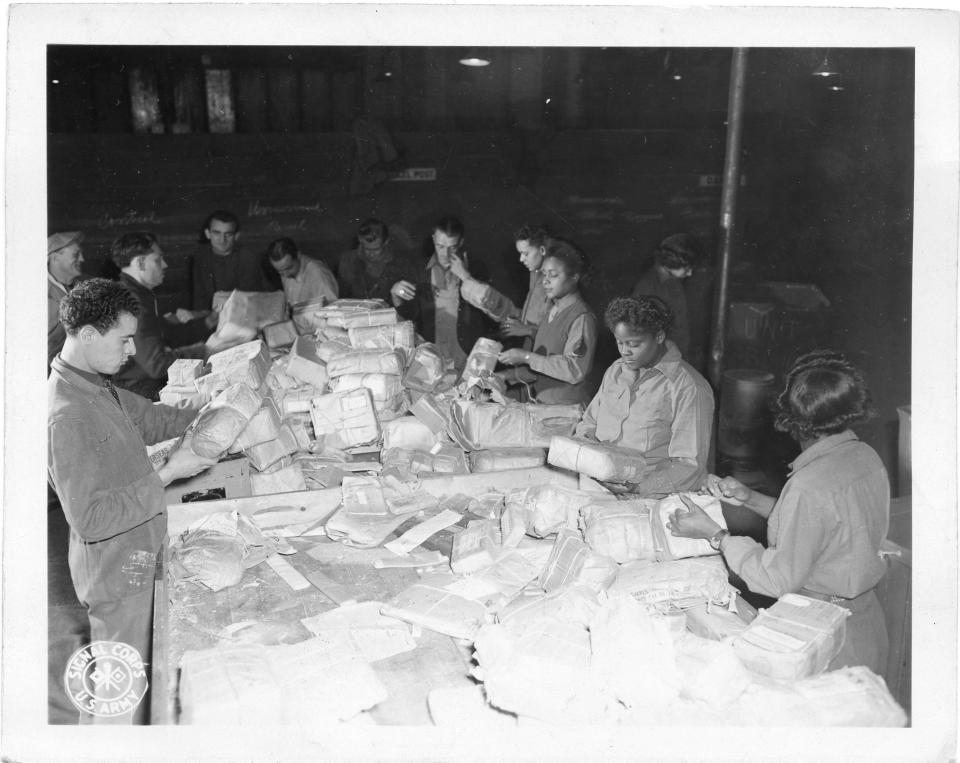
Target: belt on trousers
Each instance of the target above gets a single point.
(854, 605)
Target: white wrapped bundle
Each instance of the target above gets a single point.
(304, 364)
(327, 333)
(608, 463)
(432, 410)
(184, 396)
(476, 426)
(367, 362)
(498, 459)
(307, 316)
(321, 680)
(248, 363)
(448, 460)
(481, 361)
(714, 623)
(280, 334)
(574, 604)
(426, 369)
(388, 397)
(673, 547)
(620, 530)
(679, 584)
(350, 415)
(852, 696)
(795, 638)
(250, 309)
(633, 653)
(484, 297)
(329, 349)
(362, 530)
(213, 559)
(476, 547)
(278, 380)
(263, 426)
(394, 336)
(336, 311)
(407, 432)
(541, 672)
(710, 672)
(297, 400)
(573, 563)
(265, 454)
(547, 509)
(430, 604)
(183, 372)
(286, 480)
(223, 419)
(383, 317)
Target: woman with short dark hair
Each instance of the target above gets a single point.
(825, 530)
(557, 368)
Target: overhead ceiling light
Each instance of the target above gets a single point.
(473, 58)
(825, 69)
(836, 85)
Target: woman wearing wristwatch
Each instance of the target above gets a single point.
(825, 530)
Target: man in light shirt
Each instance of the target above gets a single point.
(304, 279)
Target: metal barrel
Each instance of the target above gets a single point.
(744, 400)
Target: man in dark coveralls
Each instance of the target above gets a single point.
(111, 494)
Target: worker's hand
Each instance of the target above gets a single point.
(513, 357)
(183, 462)
(516, 327)
(402, 291)
(458, 267)
(692, 523)
(728, 489)
(618, 488)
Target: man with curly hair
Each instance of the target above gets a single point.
(825, 530)
(111, 493)
(652, 400)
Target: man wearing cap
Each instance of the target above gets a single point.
(158, 341)
(64, 258)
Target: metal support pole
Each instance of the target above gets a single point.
(728, 210)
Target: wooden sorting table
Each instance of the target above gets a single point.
(189, 616)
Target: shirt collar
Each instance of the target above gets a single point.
(133, 283)
(822, 448)
(668, 365)
(56, 283)
(96, 379)
(565, 301)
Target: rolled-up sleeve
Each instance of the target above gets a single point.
(156, 422)
(786, 566)
(573, 365)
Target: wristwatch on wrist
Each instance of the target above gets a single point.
(717, 538)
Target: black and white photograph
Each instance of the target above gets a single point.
(460, 382)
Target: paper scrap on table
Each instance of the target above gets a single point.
(375, 636)
(417, 535)
(288, 572)
(421, 558)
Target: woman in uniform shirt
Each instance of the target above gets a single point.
(557, 367)
(652, 400)
(825, 530)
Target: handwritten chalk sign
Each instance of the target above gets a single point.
(417, 173)
(107, 221)
(256, 209)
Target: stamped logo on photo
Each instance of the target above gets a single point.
(106, 678)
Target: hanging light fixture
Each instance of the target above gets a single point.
(673, 72)
(836, 84)
(825, 69)
(473, 58)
